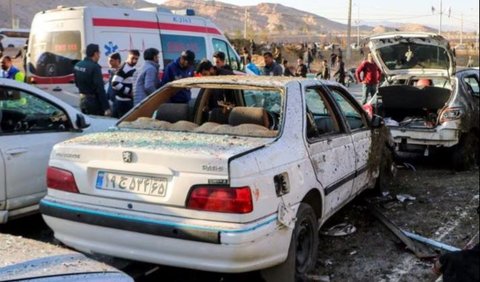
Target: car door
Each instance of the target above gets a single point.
(30, 126)
(356, 121)
(330, 148)
(471, 88)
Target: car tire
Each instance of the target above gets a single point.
(465, 153)
(304, 241)
(303, 250)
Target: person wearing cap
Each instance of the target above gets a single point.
(180, 68)
(89, 81)
(145, 80)
(219, 60)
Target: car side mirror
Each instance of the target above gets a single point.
(80, 122)
(377, 121)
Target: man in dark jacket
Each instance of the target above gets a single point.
(89, 81)
(122, 84)
(219, 61)
(271, 67)
(301, 69)
(180, 68)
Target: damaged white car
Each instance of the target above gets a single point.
(240, 180)
(425, 102)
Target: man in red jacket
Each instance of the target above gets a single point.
(371, 77)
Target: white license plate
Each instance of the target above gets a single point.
(152, 186)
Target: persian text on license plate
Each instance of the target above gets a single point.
(153, 186)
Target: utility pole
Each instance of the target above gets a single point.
(441, 13)
(357, 22)
(12, 20)
(245, 26)
(461, 31)
(349, 31)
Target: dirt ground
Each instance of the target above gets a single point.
(444, 210)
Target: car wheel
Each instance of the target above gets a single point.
(305, 241)
(303, 250)
(465, 153)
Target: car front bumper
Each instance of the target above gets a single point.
(247, 247)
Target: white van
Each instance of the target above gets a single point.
(14, 38)
(59, 37)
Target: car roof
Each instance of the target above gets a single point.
(250, 80)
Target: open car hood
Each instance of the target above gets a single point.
(416, 54)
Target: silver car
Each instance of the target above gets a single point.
(426, 103)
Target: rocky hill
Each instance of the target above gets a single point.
(265, 19)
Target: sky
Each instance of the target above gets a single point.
(378, 11)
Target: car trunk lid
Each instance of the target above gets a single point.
(413, 54)
(148, 166)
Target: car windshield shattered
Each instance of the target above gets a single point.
(216, 109)
(414, 56)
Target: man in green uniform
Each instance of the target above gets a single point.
(89, 81)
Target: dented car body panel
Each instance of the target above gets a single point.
(285, 140)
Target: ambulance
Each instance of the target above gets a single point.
(59, 37)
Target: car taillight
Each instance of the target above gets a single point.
(220, 199)
(60, 179)
(450, 114)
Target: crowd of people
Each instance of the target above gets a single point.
(129, 85)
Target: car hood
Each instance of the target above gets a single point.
(63, 267)
(416, 54)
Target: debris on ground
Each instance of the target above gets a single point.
(318, 278)
(341, 229)
(419, 250)
(431, 242)
(404, 197)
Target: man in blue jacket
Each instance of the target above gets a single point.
(180, 68)
(145, 80)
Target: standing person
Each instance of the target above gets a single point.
(89, 81)
(10, 71)
(324, 72)
(339, 70)
(114, 62)
(271, 68)
(470, 62)
(180, 68)
(371, 75)
(251, 68)
(145, 80)
(219, 61)
(301, 69)
(122, 84)
(286, 68)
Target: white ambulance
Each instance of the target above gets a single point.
(59, 37)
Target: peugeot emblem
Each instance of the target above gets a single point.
(127, 156)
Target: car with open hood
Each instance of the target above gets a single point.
(426, 103)
(31, 122)
(238, 180)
